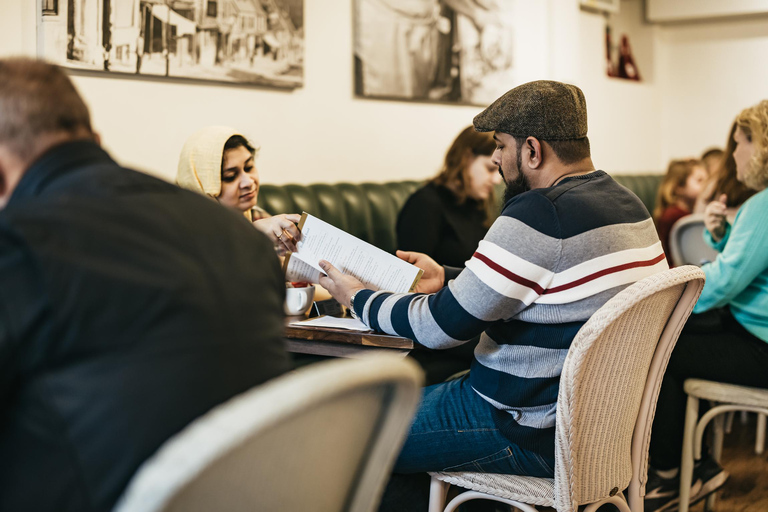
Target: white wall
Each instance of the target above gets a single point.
(711, 72)
(700, 73)
(316, 133)
(624, 115)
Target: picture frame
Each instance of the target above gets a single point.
(434, 50)
(244, 42)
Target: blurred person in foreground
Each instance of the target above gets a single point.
(128, 306)
(726, 339)
(529, 287)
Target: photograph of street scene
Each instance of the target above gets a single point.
(254, 42)
(458, 51)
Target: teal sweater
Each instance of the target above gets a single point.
(739, 275)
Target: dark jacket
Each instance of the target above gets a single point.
(433, 222)
(128, 307)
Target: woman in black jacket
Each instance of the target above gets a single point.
(447, 218)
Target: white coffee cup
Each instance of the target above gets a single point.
(298, 300)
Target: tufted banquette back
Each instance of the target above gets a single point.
(369, 210)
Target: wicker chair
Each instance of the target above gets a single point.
(608, 390)
(725, 398)
(323, 438)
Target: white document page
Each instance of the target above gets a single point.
(376, 269)
(297, 270)
(350, 324)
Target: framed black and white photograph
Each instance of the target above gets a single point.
(458, 51)
(252, 42)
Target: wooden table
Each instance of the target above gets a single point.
(325, 341)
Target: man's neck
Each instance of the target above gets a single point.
(13, 166)
(577, 169)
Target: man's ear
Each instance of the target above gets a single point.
(97, 138)
(533, 150)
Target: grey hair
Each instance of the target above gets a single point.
(37, 98)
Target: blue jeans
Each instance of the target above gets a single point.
(454, 430)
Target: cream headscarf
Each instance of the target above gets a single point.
(200, 160)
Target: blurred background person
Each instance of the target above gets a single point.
(711, 159)
(447, 218)
(723, 182)
(219, 162)
(676, 197)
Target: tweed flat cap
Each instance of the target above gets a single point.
(543, 109)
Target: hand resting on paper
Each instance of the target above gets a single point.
(434, 274)
(340, 286)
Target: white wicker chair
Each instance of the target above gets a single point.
(322, 438)
(608, 390)
(725, 398)
(686, 242)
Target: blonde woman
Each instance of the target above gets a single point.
(219, 162)
(727, 339)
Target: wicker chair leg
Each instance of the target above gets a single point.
(718, 426)
(686, 463)
(438, 490)
(729, 421)
(760, 439)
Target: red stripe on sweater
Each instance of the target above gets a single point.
(610, 270)
(541, 291)
(509, 275)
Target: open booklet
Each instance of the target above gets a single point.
(375, 268)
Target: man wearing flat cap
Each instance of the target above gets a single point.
(568, 239)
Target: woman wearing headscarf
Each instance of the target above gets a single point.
(219, 162)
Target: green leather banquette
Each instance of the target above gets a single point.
(369, 210)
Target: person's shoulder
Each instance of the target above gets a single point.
(534, 209)
(759, 200)
(430, 193)
(755, 209)
(427, 198)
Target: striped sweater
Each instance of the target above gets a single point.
(553, 257)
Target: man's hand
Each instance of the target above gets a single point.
(340, 286)
(714, 218)
(434, 275)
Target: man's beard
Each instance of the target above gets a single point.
(518, 185)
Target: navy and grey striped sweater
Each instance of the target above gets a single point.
(553, 257)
